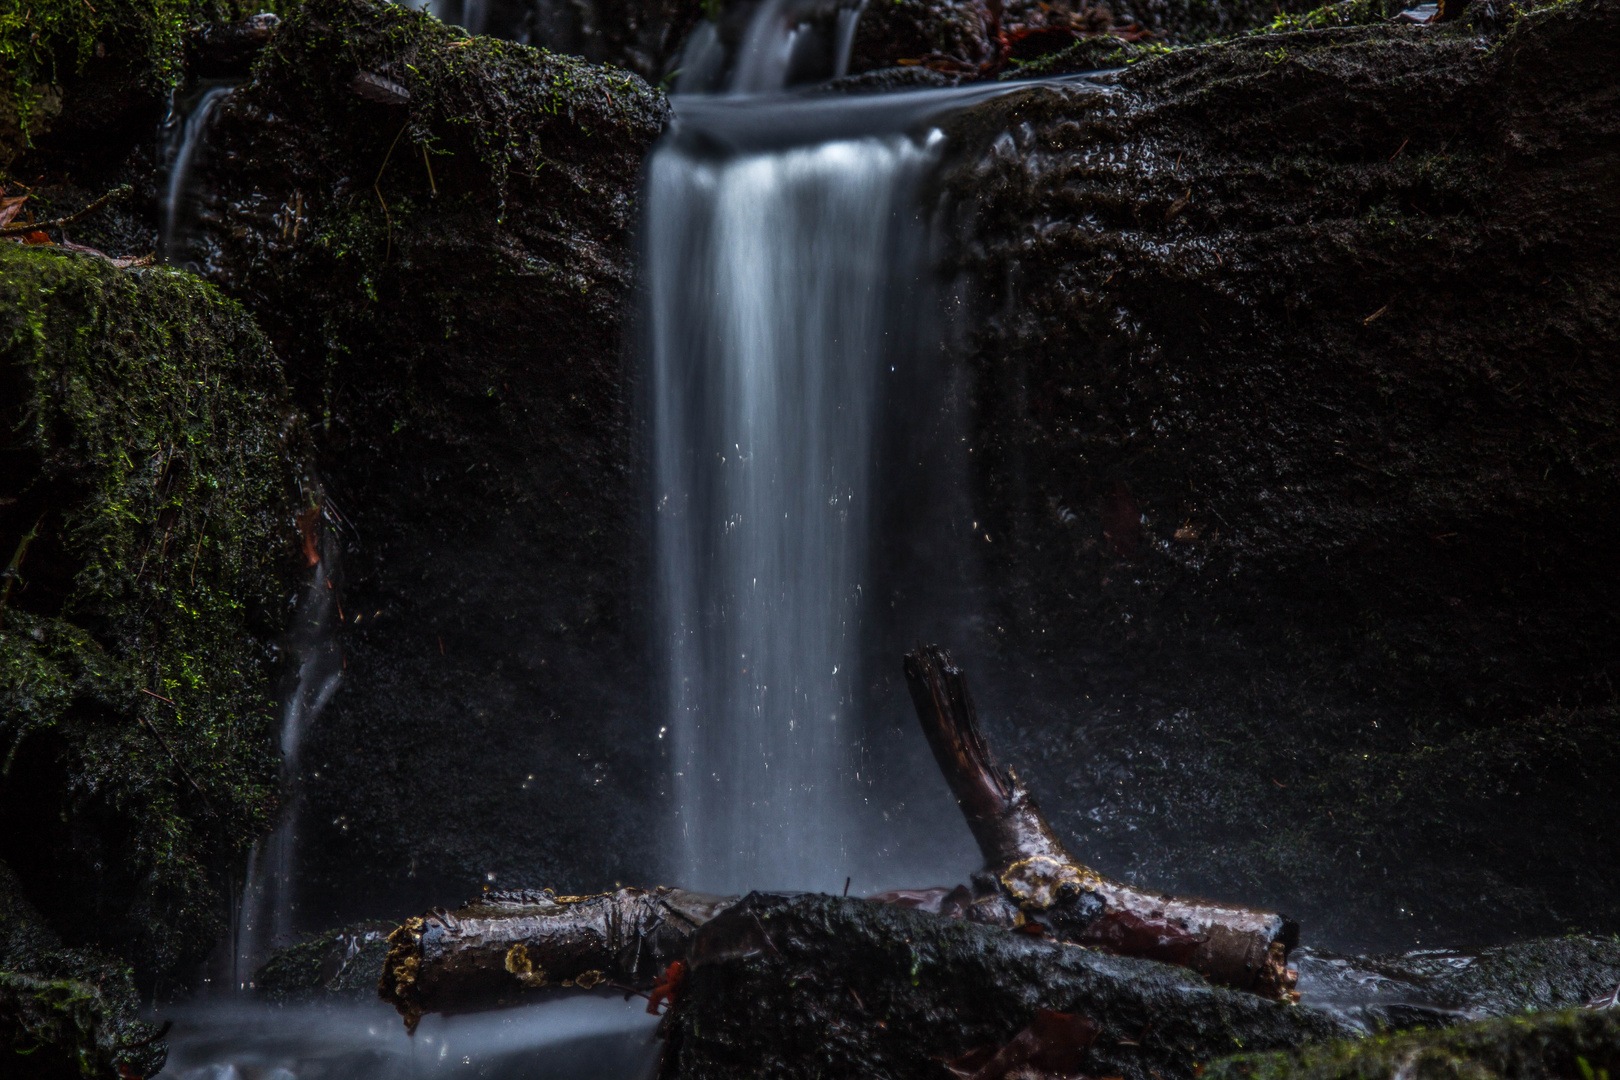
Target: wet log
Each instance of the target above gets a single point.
(1234, 945)
(490, 951)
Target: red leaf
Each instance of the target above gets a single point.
(668, 986)
(35, 238)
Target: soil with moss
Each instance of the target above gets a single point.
(1293, 459)
(1553, 1046)
(445, 261)
(148, 496)
(67, 1013)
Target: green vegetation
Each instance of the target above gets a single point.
(64, 1012)
(1570, 1044)
(46, 44)
(147, 442)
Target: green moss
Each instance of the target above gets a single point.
(1574, 1043)
(64, 1012)
(345, 962)
(45, 44)
(147, 445)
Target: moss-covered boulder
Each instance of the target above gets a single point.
(1293, 458)
(809, 986)
(146, 509)
(1576, 1044)
(435, 229)
(64, 1012)
(74, 72)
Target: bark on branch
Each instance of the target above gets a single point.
(492, 950)
(1231, 944)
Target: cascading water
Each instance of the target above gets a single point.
(789, 299)
(769, 278)
(784, 289)
(264, 919)
(186, 132)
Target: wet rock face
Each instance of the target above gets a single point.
(1294, 458)
(436, 232)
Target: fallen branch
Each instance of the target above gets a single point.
(1231, 944)
(117, 194)
(493, 950)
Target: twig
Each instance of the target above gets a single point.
(429, 164)
(158, 735)
(160, 697)
(13, 568)
(120, 192)
(376, 185)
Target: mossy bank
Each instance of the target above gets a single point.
(147, 511)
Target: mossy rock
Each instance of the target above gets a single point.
(806, 986)
(149, 497)
(447, 268)
(86, 64)
(1576, 1043)
(346, 962)
(1293, 420)
(64, 1012)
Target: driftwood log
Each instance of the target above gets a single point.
(494, 949)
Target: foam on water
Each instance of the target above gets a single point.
(588, 1038)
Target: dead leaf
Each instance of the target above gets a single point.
(37, 238)
(952, 903)
(10, 207)
(122, 262)
(376, 88)
(1052, 1046)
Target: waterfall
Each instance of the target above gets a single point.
(186, 128)
(787, 282)
(265, 912)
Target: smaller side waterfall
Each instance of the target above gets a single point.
(269, 898)
(185, 134)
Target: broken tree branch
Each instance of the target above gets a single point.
(493, 950)
(123, 191)
(490, 951)
(1231, 944)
